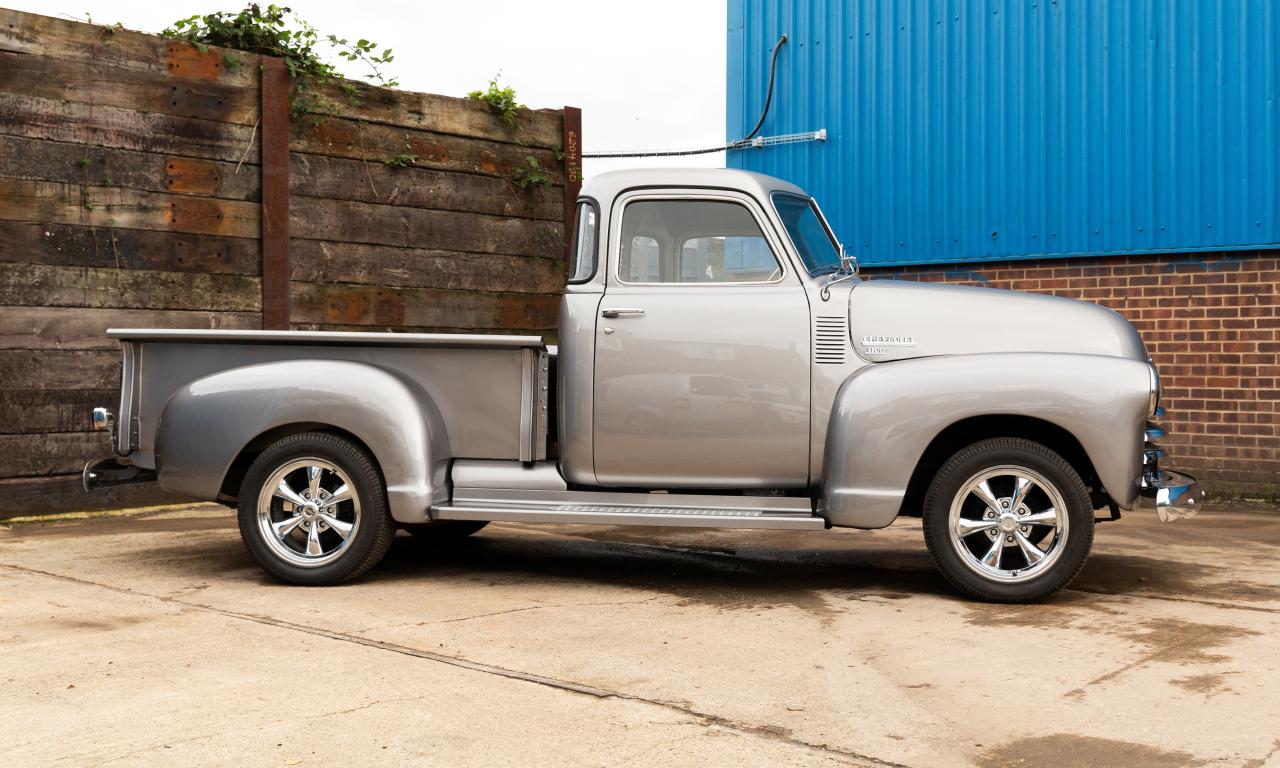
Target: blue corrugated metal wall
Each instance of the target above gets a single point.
(963, 130)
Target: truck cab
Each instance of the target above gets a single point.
(720, 363)
(687, 356)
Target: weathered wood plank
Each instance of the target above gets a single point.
(105, 84)
(441, 114)
(81, 328)
(95, 44)
(375, 143)
(318, 261)
(344, 221)
(413, 308)
(63, 493)
(41, 286)
(26, 411)
(54, 453)
(59, 369)
(62, 203)
(374, 182)
(121, 128)
(68, 245)
(44, 160)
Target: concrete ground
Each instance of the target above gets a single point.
(152, 639)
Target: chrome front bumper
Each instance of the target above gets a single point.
(1177, 495)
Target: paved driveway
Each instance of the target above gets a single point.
(152, 639)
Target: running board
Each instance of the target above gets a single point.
(629, 514)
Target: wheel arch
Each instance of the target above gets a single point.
(973, 429)
(229, 492)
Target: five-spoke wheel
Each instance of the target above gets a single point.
(313, 509)
(308, 512)
(1008, 520)
(1008, 523)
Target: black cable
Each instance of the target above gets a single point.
(768, 98)
(669, 153)
(746, 140)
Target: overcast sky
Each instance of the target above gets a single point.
(647, 75)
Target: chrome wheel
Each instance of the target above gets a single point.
(1008, 523)
(308, 512)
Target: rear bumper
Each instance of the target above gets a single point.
(110, 473)
(1177, 495)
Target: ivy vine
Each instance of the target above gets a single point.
(277, 31)
(502, 100)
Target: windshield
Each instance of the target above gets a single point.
(815, 244)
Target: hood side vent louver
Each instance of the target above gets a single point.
(830, 340)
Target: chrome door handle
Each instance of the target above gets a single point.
(622, 312)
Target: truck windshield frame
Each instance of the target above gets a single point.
(799, 214)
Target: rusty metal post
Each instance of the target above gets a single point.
(275, 194)
(572, 144)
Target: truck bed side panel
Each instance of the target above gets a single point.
(477, 390)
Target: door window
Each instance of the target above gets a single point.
(693, 241)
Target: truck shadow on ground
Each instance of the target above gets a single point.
(723, 580)
(727, 577)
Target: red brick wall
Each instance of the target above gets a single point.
(1212, 324)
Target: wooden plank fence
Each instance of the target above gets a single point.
(132, 194)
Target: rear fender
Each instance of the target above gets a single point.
(209, 422)
(886, 415)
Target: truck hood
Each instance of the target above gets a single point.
(897, 320)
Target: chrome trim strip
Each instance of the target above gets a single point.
(126, 423)
(528, 378)
(622, 515)
(1153, 403)
(329, 337)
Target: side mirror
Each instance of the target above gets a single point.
(847, 262)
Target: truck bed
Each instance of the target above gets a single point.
(490, 390)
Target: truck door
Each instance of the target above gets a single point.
(702, 348)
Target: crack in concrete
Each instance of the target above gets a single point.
(533, 608)
(706, 719)
(385, 627)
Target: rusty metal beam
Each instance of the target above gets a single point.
(572, 145)
(275, 194)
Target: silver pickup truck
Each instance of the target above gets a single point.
(720, 364)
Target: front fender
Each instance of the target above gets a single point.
(886, 415)
(206, 424)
